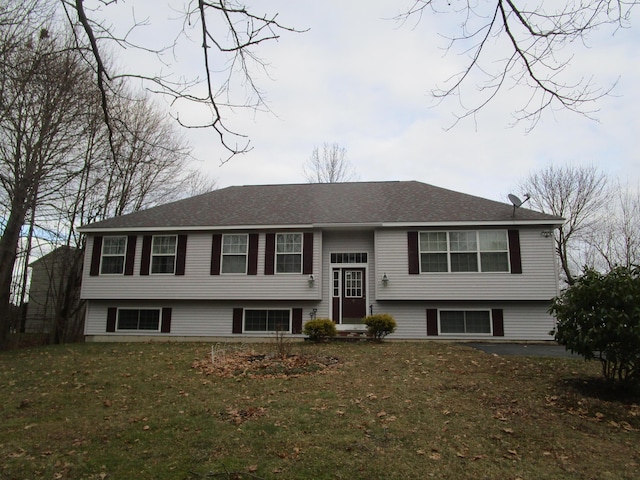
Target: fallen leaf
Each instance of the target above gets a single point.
(252, 468)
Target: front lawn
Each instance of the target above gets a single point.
(390, 410)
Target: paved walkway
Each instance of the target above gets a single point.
(524, 349)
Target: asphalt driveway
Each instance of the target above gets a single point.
(524, 349)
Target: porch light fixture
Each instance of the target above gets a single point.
(385, 279)
(312, 280)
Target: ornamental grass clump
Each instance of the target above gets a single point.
(380, 325)
(320, 329)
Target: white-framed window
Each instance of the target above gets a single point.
(289, 253)
(114, 249)
(267, 320)
(464, 251)
(494, 250)
(353, 283)
(234, 253)
(139, 319)
(465, 322)
(163, 254)
(349, 257)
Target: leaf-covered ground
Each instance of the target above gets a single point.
(390, 410)
(246, 362)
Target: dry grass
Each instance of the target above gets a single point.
(391, 410)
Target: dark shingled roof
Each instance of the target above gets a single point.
(324, 203)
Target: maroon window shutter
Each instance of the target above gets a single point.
(514, 251)
(432, 322)
(414, 260)
(296, 321)
(96, 252)
(166, 320)
(112, 315)
(130, 255)
(252, 267)
(181, 254)
(307, 253)
(146, 255)
(270, 253)
(497, 319)
(237, 320)
(216, 249)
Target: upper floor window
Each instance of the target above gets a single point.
(289, 253)
(464, 251)
(234, 253)
(163, 254)
(113, 254)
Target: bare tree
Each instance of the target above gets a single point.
(616, 240)
(39, 129)
(150, 167)
(510, 43)
(328, 165)
(578, 194)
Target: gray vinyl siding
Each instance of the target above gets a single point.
(197, 283)
(522, 321)
(188, 319)
(538, 280)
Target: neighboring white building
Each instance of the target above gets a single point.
(247, 261)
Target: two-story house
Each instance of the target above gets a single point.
(252, 260)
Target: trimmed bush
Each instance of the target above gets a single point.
(320, 329)
(380, 325)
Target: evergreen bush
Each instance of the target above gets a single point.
(320, 329)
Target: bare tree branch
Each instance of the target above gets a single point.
(534, 36)
(228, 36)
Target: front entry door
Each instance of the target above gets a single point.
(354, 302)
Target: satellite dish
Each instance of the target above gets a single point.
(517, 203)
(515, 200)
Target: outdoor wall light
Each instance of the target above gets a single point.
(312, 280)
(385, 279)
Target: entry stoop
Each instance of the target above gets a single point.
(351, 332)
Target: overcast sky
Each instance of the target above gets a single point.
(359, 79)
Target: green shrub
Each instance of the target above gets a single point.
(380, 325)
(320, 329)
(598, 317)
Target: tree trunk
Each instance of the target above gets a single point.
(8, 249)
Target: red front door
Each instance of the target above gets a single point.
(354, 301)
